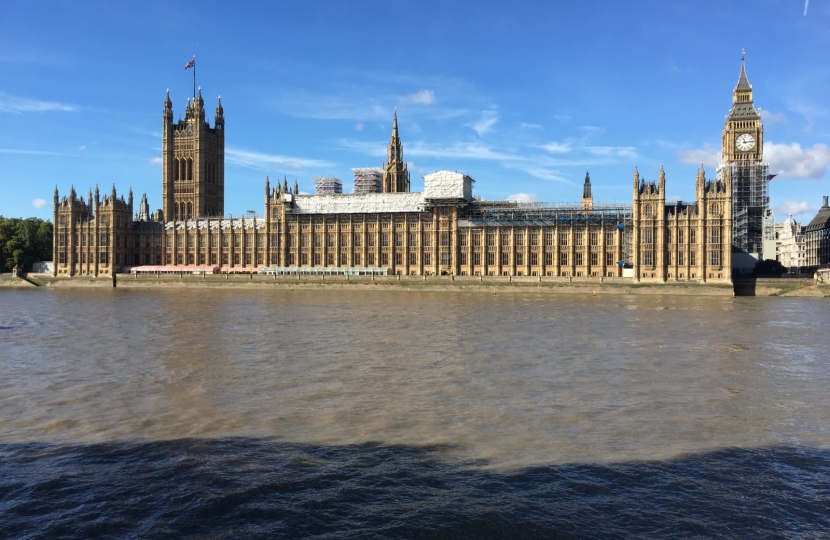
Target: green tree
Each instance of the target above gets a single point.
(769, 267)
(24, 241)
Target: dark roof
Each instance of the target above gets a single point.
(743, 83)
(821, 221)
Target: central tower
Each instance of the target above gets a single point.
(395, 173)
(746, 175)
(193, 160)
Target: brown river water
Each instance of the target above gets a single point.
(128, 413)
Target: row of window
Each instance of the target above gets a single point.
(715, 236)
(714, 258)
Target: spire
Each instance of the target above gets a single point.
(587, 198)
(56, 195)
(586, 188)
(200, 101)
(636, 178)
(219, 110)
(296, 187)
(167, 103)
(743, 83)
(395, 173)
(267, 187)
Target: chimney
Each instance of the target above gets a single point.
(825, 202)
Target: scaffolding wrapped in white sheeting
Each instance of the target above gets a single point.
(448, 185)
(359, 203)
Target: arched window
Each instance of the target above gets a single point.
(189, 210)
(715, 209)
(190, 169)
(648, 210)
(175, 169)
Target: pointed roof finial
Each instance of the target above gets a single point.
(743, 82)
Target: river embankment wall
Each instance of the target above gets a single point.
(545, 284)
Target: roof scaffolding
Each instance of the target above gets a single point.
(503, 213)
(328, 185)
(368, 180)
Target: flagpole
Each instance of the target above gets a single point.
(194, 77)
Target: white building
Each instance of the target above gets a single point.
(791, 245)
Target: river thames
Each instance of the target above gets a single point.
(358, 414)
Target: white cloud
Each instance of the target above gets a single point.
(794, 208)
(708, 156)
(82, 147)
(792, 161)
(672, 199)
(526, 125)
(359, 126)
(39, 203)
(523, 198)
(772, 117)
(17, 105)
(156, 161)
(488, 118)
(423, 97)
(557, 148)
(267, 162)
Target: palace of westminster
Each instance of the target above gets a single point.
(444, 230)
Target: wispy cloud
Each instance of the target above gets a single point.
(423, 97)
(268, 162)
(794, 208)
(156, 161)
(772, 117)
(32, 152)
(628, 152)
(459, 150)
(486, 122)
(39, 203)
(558, 148)
(18, 105)
(544, 173)
(792, 161)
(525, 125)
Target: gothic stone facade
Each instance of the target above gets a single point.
(442, 231)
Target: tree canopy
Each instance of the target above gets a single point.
(23, 242)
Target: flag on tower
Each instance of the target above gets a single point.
(190, 64)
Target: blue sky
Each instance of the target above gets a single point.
(523, 96)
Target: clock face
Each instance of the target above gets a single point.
(745, 142)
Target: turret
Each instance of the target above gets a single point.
(97, 198)
(167, 115)
(636, 182)
(56, 199)
(661, 182)
(219, 119)
(296, 188)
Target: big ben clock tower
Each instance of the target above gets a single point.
(743, 168)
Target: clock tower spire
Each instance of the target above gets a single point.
(743, 134)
